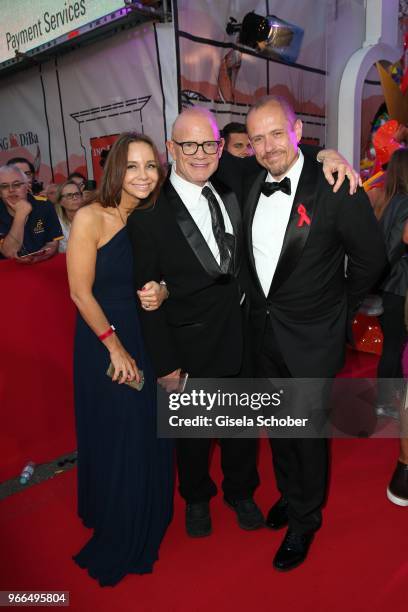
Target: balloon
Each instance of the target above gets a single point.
(385, 143)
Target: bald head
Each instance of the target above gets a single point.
(190, 116)
(195, 145)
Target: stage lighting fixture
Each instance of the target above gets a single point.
(271, 36)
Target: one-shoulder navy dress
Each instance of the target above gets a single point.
(125, 473)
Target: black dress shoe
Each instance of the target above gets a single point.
(293, 551)
(198, 520)
(397, 491)
(278, 515)
(249, 515)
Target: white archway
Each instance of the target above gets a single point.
(350, 96)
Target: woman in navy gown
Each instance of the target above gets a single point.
(125, 474)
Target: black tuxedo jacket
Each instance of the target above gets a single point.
(310, 301)
(198, 328)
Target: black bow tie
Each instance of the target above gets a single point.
(269, 188)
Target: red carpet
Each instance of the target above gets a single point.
(36, 331)
(358, 561)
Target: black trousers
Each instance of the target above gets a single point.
(393, 327)
(300, 464)
(238, 463)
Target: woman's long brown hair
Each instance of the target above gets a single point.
(396, 179)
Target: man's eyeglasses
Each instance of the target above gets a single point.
(210, 147)
(72, 196)
(9, 186)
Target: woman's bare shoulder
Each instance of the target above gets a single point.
(90, 215)
(92, 211)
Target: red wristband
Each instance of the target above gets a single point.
(106, 334)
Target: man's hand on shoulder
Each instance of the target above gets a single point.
(334, 162)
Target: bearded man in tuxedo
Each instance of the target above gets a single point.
(298, 232)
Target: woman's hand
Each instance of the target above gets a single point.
(124, 365)
(152, 295)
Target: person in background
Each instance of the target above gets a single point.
(236, 139)
(397, 491)
(393, 364)
(78, 178)
(69, 200)
(51, 192)
(393, 218)
(89, 191)
(29, 230)
(34, 186)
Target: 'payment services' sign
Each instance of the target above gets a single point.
(25, 24)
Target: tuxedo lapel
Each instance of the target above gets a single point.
(296, 235)
(191, 232)
(249, 212)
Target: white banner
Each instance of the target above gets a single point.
(108, 89)
(64, 114)
(25, 24)
(23, 121)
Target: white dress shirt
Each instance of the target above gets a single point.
(197, 206)
(269, 225)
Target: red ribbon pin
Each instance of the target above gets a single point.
(303, 216)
